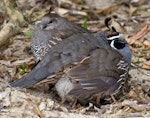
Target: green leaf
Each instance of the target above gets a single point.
(22, 68)
(137, 61)
(85, 24)
(28, 33)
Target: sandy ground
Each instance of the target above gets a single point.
(38, 103)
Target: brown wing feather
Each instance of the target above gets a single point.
(97, 73)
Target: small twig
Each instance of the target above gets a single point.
(36, 108)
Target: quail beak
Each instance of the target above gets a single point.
(43, 26)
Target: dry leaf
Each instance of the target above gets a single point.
(100, 4)
(132, 10)
(146, 65)
(112, 23)
(107, 10)
(140, 34)
(147, 43)
(117, 26)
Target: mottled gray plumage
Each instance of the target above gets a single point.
(49, 31)
(66, 52)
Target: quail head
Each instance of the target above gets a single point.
(49, 31)
(90, 66)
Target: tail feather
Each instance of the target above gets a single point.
(31, 78)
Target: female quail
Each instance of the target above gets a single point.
(49, 31)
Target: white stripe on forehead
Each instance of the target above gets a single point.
(37, 22)
(120, 36)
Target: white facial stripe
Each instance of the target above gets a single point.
(112, 44)
(120, 36)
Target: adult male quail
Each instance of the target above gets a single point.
(90, 68)
(49, 31)
(101, 74)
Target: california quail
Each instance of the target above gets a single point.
(89, 67)
(49, 31)
(101, 74)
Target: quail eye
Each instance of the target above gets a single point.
(49, 25)
(51, 21)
